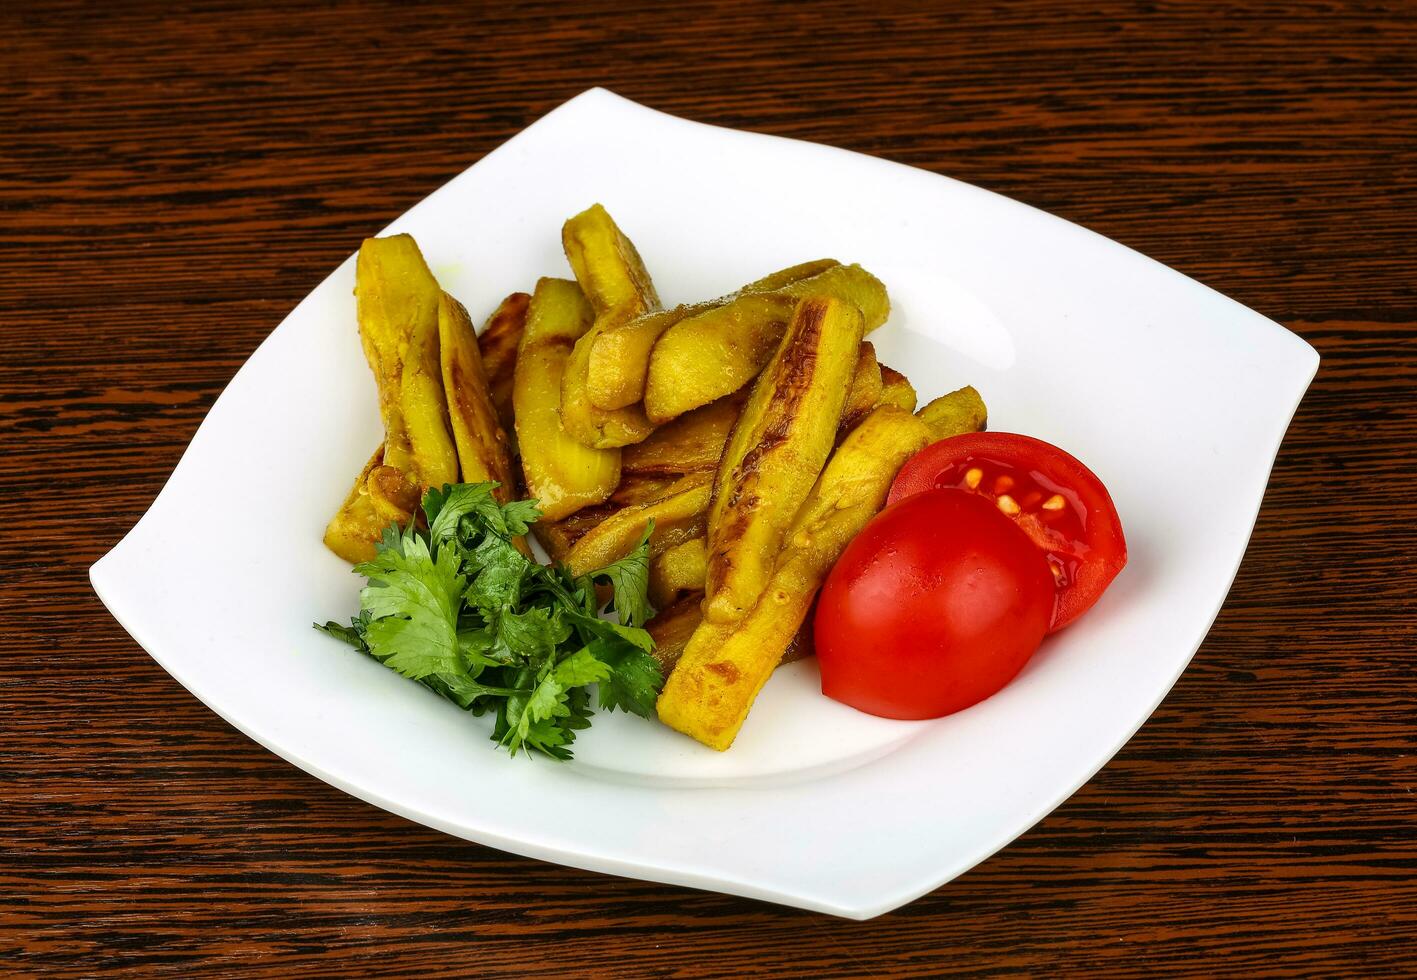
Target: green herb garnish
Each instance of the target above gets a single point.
(458, 608)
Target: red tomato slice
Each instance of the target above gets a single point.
(934, 606)
(1058, 502)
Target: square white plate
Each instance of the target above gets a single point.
(1176, 396)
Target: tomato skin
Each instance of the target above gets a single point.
(1082, 536)
(934, 606)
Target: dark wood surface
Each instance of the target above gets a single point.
(173, 182)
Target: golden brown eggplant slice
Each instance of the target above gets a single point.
(558, 537)
(723, 666)
(393, 494)
(619, 356)
(866, 388)
(706, 356)
(601, 428)
(776, 450)
(896, 389)
(677, 516)
(395, 297)
(691, 443)
(673, 626)
(606, 264)
(498, 342)
(425, 410)
(636, 488)
(954, 414)
(357, 526)
(849, 283)
(482, 445)
(783, 278)
(679, 569)
(560, 472)
(614, 280)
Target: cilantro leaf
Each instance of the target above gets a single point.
(581, 668)
(499, 573)
(458, 608)
(545, 700)
(549, 737)
(530, 636)
(634, 677)
(519, 515)
(413, 608)
(462, 690)
(446, 508)
(350, 634)
(630, 578)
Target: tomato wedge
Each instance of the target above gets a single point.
(934, 606)
(1057, 501)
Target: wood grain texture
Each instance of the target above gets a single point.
(173, 182)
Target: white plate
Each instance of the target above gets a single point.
(1176, 396)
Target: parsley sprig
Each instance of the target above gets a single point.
(458, 608)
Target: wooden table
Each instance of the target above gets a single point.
(171, 184)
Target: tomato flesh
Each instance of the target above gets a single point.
(1059, 529)
(934, 606)
(1053, 498)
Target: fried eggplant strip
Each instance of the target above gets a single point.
(706, 356)
(614, 280)
(618, 360)
(691, 443)
(482, 445)
(357, 526)
(776, 450)
(783, 278)
(672, 628)
(606, 263)
(679, 569)
(396, 299)
(866, 388)
(677, 516)
(954, 414)
(636, 488)
(498, 343)
(695, 440)
(896, 389)
(619, 356)
(425, 410)
(558, 537)
(723, 667)
(560, 472)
